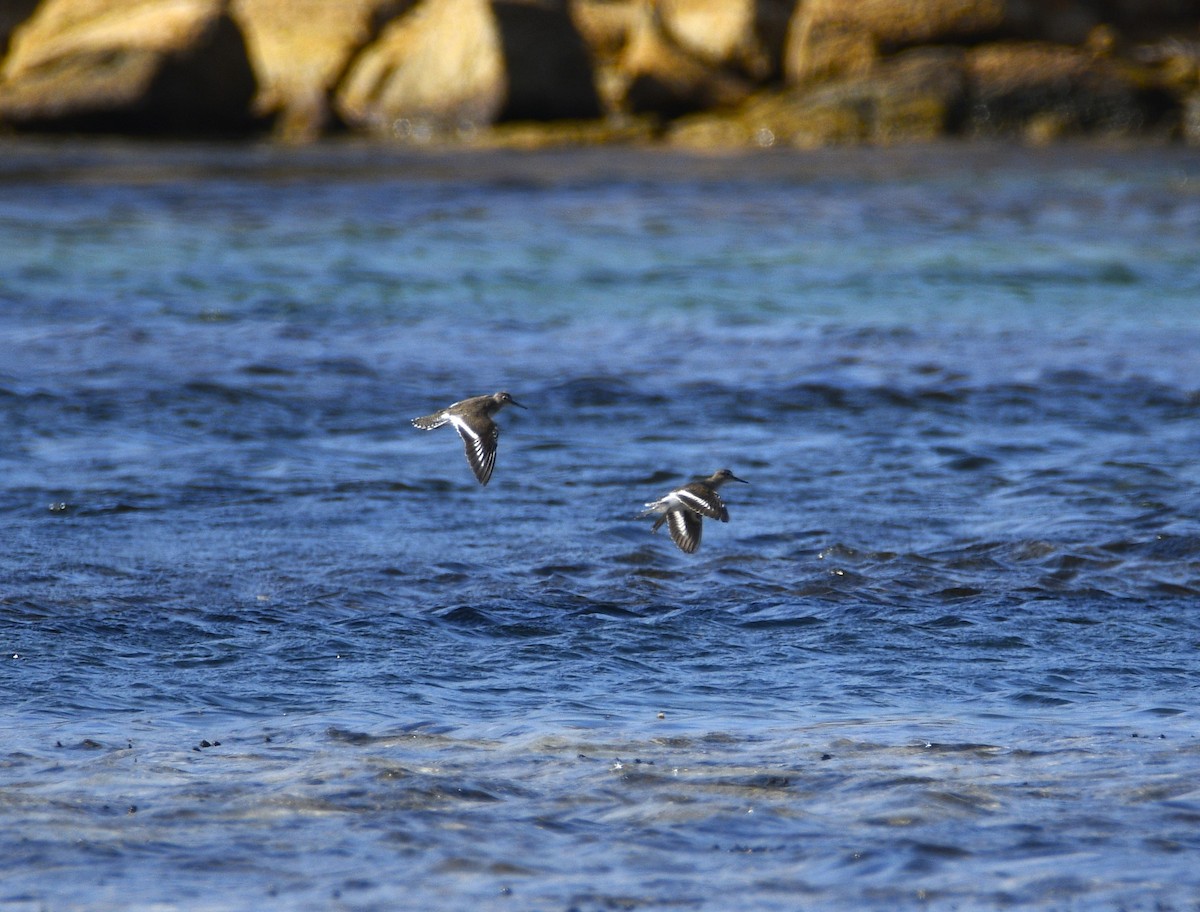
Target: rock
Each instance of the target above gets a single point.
(1035, 91)
(300, 49)
(547, 66)
(832, 38)
(1152, 19)
(12, 14)
(921, 95)
(604, 25)
(829, 39)
(139, 66)
(658, 76)
(1175, 63)
(917, 96)
(669, 57)
(1045, 91)
(743, 35)
(550, 134)
(441, 64)
(828, 51)
(1191, 119)
(449, 66)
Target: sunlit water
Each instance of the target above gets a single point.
(266, 645)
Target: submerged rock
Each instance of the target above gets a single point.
(154, 66)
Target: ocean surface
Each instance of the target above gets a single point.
(267, 646)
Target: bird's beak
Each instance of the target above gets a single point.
(742, 480)
(512, 401)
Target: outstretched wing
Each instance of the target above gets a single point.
(479, 440)
(703, 500)
(685, 527)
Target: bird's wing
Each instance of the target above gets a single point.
(703, 500)
(685, 527)
(479, 440)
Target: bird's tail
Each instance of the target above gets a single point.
(429, 422)
(651, 509)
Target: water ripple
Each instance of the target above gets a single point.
(255, 625)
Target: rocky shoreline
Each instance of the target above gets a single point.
(694, 74)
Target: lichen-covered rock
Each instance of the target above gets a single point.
(138, 66)
(452, 65)
(300, 49)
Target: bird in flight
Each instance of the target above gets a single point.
(472, 418)
(684, 509)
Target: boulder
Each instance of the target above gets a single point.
(440, 64)
(1144, 20)
(1190, 126)
(829, 39)
(548, 69)
(1044, 91)
(1174, 63)
(449, 66)
(668, 57)
(833, 38)
(919, 95)
(300, 50)
(604, 25)
(743, 35)
(138, 66)
(659, 76)
(12, 14)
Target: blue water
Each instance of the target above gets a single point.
(266, 645)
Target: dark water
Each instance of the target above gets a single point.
(268, 646)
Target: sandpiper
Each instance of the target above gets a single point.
(684, 509)
(472, 418)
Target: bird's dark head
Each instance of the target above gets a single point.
(723, 475)
(503, 398)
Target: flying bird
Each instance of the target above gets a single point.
(684, 509)
(472, 418)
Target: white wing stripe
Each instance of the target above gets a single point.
(709, 507)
